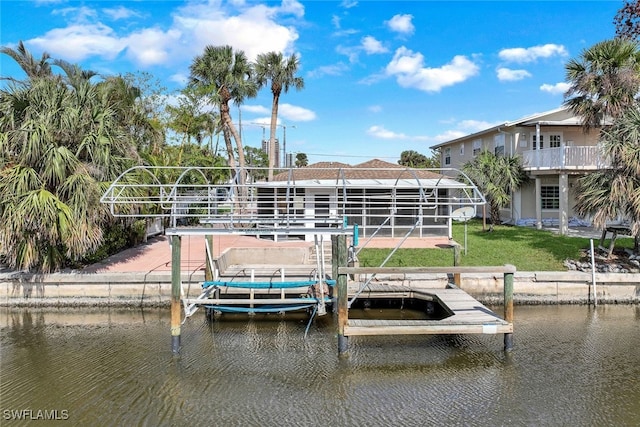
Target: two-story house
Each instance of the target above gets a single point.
(555, 152)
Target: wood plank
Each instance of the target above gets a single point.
(418, 329)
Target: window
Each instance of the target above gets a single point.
(447, 156)
(554, 140)
(534, 142)
(477, 146)
(462, 149)
(498, 143)
(550, 196)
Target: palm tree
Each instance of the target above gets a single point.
(225, 76)
(497, 177)
(60, 145)
(301, 160)
(615, 192)
(32, 67)
(605, 81)
(413, 159)
(280, 72)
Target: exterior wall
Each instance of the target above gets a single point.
(575, 155)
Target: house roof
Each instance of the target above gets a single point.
(371, 174)
(371, 170)
(554, 118)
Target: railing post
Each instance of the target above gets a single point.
(340, 259)
(175, 294)
(508, 305)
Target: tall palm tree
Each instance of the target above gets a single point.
(604, 80)
(225, 75)
(281, 72)
(497, 177)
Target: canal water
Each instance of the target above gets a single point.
(572, 366)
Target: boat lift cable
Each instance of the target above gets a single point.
(366, 283)
(374, 234)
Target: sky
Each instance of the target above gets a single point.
(380, 76)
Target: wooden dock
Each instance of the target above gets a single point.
(466, 315)
(463, 313)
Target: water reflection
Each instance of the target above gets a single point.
(572, 365)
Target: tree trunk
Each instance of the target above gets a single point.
(272, 134)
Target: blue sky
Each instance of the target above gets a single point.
(380, 77)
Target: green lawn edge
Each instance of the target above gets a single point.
(528, 248)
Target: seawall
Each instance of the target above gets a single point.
(154, 288)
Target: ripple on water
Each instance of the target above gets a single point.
(571, 366)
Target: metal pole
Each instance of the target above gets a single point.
(508, 308)
(175, 294)
(593, 275)
(284, 146)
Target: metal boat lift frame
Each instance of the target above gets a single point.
(219, 200)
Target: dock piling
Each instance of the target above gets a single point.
(339, 243)
(508, 305)
(175, 294)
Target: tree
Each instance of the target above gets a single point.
(301, 160)
(604, 80)
(627, 20)
(61, 141)
(615, 191)
(413, 159)
(224, 75)
(33, 68)
(188, 118)
(280, 72)
(497, 177)
(257, 161)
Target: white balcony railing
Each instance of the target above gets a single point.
(577, 158)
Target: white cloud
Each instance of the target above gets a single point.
(349, 52)
(449, 135)
(77, 42)
(401, 24)
(120, 12)
(151, 46)
(348, 4)
(252, 28)
(375, 108)
(531, 54)
(180, 78)
(371, 45)
(409, 70)
(382, 133)
(335, 21)
(476, 125)
(295, 113)
(509, 75)
(257, 109)
(330, 70)
(556, 89)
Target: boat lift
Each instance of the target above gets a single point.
(298, 203)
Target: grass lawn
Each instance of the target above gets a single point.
(527, 248)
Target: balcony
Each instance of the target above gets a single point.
(587, 158)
